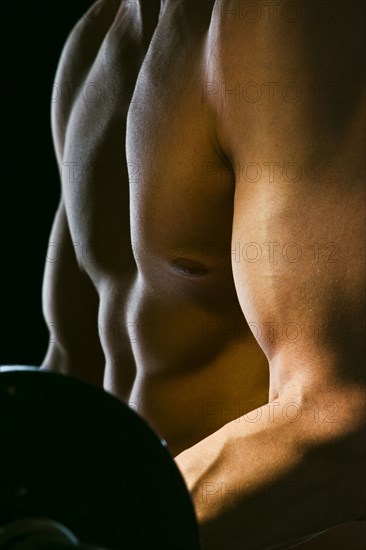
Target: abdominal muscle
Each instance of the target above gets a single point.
(187, 370)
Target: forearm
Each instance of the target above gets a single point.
(266, 480)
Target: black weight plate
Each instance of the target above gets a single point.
(73, 453)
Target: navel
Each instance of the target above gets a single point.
(189, 267)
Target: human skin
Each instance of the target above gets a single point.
(213, 185)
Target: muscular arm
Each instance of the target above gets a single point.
(295, 466)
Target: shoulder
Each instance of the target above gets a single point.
(76, 58)
(123, 27)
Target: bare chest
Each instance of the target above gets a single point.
(142, 177)
(181, 190)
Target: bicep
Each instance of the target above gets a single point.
(70, 306)
(300, 276)
(298, 253)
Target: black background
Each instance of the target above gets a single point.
(30, 187)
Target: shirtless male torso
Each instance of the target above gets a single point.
(212, 210)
